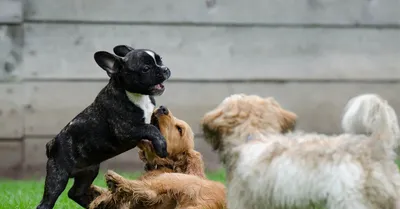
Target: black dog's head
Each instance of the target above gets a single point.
(139, 70)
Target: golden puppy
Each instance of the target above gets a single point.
(169, 191)
(166, 183)
(269, 169)
(182, 158)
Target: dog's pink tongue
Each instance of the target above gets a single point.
(159, 86)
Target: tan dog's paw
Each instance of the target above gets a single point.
(112, 180)
(142, 157)
(148, 150)
(97, 190)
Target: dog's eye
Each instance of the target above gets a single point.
(179, 129)
(146, 69)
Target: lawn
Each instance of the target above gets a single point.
(26, 194)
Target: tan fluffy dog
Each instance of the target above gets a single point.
(269, 169)
(166, 184)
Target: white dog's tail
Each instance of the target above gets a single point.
(369, 114)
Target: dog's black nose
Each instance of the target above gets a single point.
(164, 68)
(163, 110)
(165, 71)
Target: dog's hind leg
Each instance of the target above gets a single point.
(55, 183)
(103, 195)
(104, 201)
(82, 192)
(137, 190)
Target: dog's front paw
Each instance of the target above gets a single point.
(112, 180)
(160, 147)
(111, 186)
(102, 202)
(97, 190)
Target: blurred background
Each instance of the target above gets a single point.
(311, 55)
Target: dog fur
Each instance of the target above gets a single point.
(269, 169)
(115, 122)
(362, 116)
(177, 181)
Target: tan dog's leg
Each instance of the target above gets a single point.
(108, 199)
(101, 202)
(136, 190)
(102, 195)
(98, 190)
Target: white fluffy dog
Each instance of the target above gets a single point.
(269, 169)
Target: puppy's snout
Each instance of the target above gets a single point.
(163, 110)
(165, 71)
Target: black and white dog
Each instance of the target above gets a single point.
(115, 122)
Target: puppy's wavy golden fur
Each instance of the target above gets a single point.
(177, 181)
(266, 167)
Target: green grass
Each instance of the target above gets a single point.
(26, 194)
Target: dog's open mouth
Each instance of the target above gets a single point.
(159, 87)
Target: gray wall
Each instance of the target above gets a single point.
(311, 55)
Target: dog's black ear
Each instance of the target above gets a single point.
(122, 50)
(109, 62)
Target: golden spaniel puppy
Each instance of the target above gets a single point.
(177, 181)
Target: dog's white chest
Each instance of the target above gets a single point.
(144, 102)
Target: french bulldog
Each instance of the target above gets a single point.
(115, 122)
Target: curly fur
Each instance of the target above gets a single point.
(178, 182)
(169, 190)
(300, 170)
(364, 113)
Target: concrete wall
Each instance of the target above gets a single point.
(311, 55)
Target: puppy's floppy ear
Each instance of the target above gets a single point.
(109, 62)
(122, 50)
(288, 121)
(210, 119)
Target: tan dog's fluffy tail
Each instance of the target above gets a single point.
(369, 114)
